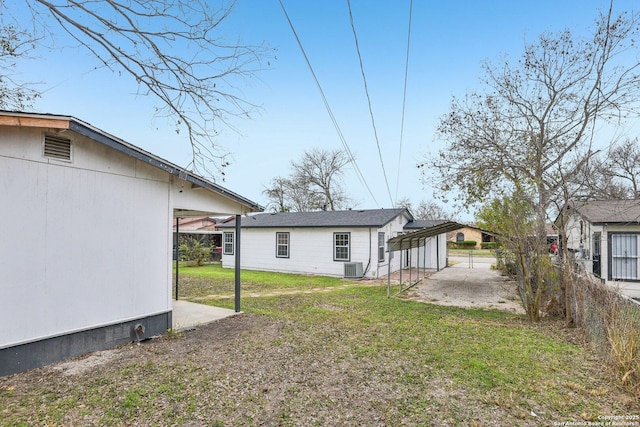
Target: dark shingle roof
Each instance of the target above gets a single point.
(350, 218)
(419, 224)
(609, 211)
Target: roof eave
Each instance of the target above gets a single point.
(119, 145)
(62, 122)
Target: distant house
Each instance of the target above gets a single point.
(87, 238)
(349, 243)
(470, 233)
(605, 237)
(197, 224)
(201, 228)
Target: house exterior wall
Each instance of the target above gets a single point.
(85, 248)
(311, 250)
(392, 229)
(88, 240)
(469, 234)
(581, 239)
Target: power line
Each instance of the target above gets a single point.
(326, 104)
(404, 97)
(366, 90)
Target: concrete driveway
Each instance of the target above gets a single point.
(469, 283)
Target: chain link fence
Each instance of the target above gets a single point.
(611, 325)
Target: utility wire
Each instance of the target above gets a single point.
(326, 104)
(404, 97)
(366, 90)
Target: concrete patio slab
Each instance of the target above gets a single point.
(188, 315)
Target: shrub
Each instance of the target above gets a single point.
(489, 245)
(194, 251)
(466, 244)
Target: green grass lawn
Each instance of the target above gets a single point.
(212, 279)
(498, 357)
(334, 356)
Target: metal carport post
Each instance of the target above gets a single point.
(412, 240)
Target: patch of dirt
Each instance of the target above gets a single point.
(274, 293)
(252, 370)
(199, 337)
(85, 364)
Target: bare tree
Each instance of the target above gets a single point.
(14, 44)
(286, 194)
(610, 174)
(277, 193)
(533, 125)
(303, 197)
(623, 166)
(322, 171)
(426, 209)
(593, 182)
(429, 209)
(315, 183)
(171, 48)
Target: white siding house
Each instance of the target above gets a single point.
(86, 227)
(605, 237)
(349, 243)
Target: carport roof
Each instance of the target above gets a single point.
(416, 238)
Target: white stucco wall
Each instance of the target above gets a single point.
(83, 241)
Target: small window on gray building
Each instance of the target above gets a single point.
(282, 245)
(56, 147)
(460, 237)
(341, 246)
(227, 243)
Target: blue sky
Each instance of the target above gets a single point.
(449, 40)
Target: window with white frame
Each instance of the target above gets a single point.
(624, 257)
(381, 246)
(341, 246)
(227, 243)
(282, 245)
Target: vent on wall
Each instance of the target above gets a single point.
(353, 270)
(57, 147)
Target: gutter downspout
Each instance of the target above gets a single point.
(364, 273)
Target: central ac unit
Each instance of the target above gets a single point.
(353, 270)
